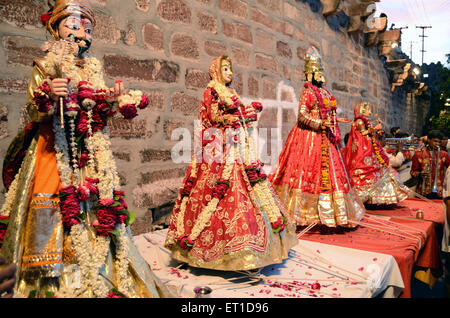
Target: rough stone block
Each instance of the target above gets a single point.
(207, 22)
(185, 104)
(185, 46)
(119, 66)
(235, 7)
(240, 57)
(174, 11)
(153, 37)
(266, 62)
(214, 48)
(196, 79)
(283, 50)
(237, 31)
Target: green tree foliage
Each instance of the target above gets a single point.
(438, 82)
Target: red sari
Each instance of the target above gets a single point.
(368, 164)
(310, 176)
(227, 217)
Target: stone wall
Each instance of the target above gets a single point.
(164, 47)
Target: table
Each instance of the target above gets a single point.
(339, 272)
(410, 241)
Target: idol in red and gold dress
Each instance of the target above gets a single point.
(310, 176)
(368, 163)
(227, 217)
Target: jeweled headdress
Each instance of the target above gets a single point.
(60, 9)
(313, 61)
(362, 108)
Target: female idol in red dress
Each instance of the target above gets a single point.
(310, 177)
(227, 216)
(368, 164)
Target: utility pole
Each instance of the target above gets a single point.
(401, 28)
(411, 48)
(423, 36)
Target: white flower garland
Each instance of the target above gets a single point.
(133, 97)
(122, 261)
(89, 142)
(106, 166)
(180, 216)
(91, 259)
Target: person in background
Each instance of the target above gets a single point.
(445, 142)
(424, 166)
(395, 131)
(7, 279)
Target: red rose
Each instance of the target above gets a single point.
(68, 190)
(128, 111)
(92, 180)
(257, 106)
(83, 159)
(219, 190)
(252, 174)
(118, 193)
(82, 125)
(144, 102)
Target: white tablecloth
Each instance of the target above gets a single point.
(339, 272)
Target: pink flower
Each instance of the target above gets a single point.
(106, 202)
(315, 286)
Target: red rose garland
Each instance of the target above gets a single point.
(255, 173)
(42, 99)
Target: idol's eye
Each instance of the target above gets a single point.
(88, 31)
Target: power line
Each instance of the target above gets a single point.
(423, 36)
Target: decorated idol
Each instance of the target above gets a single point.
(368, 164)
(227, 216)
(310, 175)
(67, 221)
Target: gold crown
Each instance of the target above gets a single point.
(362, 108)
(61, 9)
(313, 61)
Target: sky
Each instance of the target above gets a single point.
(412, 13)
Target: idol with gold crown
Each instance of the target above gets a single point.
(310, 175)
(368, 164)
(68, 224)
(227, 216)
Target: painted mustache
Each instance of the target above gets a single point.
(83, 45)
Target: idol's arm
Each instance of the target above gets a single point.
(304, 115)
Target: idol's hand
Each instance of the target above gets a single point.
(112, 94)
(327, 123)
(59, 88)
(344, 120)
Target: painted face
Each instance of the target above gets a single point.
(79, 28)
(318, 77)
(227, 73)
(367, 111)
